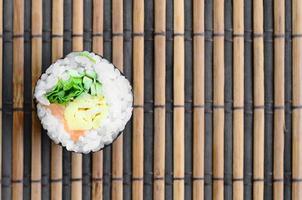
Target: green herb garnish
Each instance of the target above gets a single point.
(66, 91)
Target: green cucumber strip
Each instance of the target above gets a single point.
(87, 82)
(98, 88)
(91, 74)
(74, 73)
(93, 90)
(87, 55)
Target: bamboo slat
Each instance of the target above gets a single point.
(279, 118)
(138, 91)
(198, 100)
(77, 45)
(117, 59)
(258, 139)
(57, 52)
(97, 37)
(297, 100)
(238, 104)
(1, 70)
(18, 88)
(97, 42)
(178, 110)
(77, 25)
(159, 99)
(36, 72)
(218, 100)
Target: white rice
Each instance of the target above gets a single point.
(116, 90)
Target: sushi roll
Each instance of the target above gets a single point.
(83, 102)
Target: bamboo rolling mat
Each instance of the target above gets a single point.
(217, 99)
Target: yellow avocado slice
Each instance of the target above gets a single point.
(86, 112)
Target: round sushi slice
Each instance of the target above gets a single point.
(83, 102)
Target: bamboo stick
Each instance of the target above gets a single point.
(279, 119)
(57, 52)
(1, 68)
(97, 42)
(77, 25)
(77, 45)
(258, 146)
(117, 57)
(238, 104)
(36, 71)
(98, 26)
(218, 95)
(297, 101)
(178, 117)
(18, 88)
(159, 99)
(198, 100)
(138, 111)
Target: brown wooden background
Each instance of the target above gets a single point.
(217, 99)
